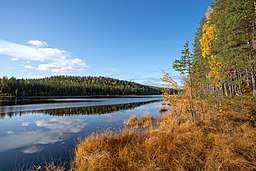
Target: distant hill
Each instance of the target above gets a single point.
(73, 86)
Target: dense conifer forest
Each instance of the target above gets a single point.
(225, 48)
(73, 86)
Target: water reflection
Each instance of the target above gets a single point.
(78, 110)
(11, 101)
(47, 131)
(33, 149)
(95, 109)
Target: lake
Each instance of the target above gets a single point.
(35, 131)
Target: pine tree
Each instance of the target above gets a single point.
(232, 45)
(254, 52)
(184, 64)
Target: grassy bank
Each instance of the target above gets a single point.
(220, 137)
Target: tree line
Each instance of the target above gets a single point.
(223, 61)
(73, 86)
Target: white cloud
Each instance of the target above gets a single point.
(67, 65)
(113, 71)
(28, 67)
(14, 59)
(54, 59)
(108, 74)
(151, 81)
(37, 43)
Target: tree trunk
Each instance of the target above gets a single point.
(247, 78)
(254, 30)
(254, 53)
(230, 91)
(191, 87)
(225, 89)
(253, 83)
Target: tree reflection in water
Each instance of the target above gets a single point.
(89, 110)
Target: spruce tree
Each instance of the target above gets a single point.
(233, 21)
(184, 64)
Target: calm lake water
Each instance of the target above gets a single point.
(35, 131)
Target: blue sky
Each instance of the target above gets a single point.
(124, 39)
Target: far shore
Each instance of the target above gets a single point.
(91, 96)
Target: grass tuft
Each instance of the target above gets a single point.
(145, 121)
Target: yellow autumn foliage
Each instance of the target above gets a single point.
(208, 35)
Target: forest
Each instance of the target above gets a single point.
(73, 86)
(224, 50)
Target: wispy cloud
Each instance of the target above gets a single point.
(67, 65)
(152, 81)
(51, 59)
(109, 72)
(37, 43)
(28, 67)
(14, 59)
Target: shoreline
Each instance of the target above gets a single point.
(91, 96)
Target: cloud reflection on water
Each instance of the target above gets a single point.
(48, 131)
(25, 124)
(33, 149)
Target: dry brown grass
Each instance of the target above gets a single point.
(47, 167)
(219, 139)
(145, 121)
